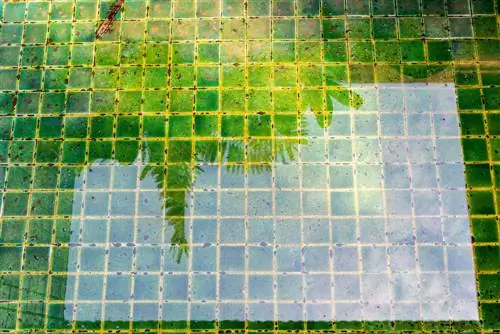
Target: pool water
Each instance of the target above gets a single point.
(250, 165)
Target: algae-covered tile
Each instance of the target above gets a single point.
(259, 51)
(126, 151)
(208, 8)
(460, 27)
(410, 27)
(35, 33)
(13, 232)
(233, 29)
(283, 28)
(156, 53)
(283, 8)
(129, 101)
(180, 126)
(335, 51)
(48, 151)
(130, 53)
(259, 125)
(233, 126)
(25, 127)
(487, 257)
(472, 124)
(466, 75)
(233, 76)
(160, 8)
(60, 32)
(474, 149)
(333, 28)
(491, 98)
(493, 122)
(469, 98)
(485, 230)
(359, 28)
(22, 151)
(207, 100)
(206, 125)
(100, 150)
(384, 28)
(284, 51)
(233, 100)
(412, 50)
(208, 52)
(483, 7)
(209, 29)
(33, 55)
(153, 126)
(285, 76)
(19, 177)
(183, 53)
(42, 204)
(308, 29)
(387, 51)
(478, 175)
(127, 126)
(179, 151)
(481, 202)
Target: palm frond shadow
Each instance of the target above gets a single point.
(256, 156)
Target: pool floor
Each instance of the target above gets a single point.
(250, 165)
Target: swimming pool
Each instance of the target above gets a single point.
(249, 165)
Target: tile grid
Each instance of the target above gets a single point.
(218, 217)
(140, 161)
(412, 201)
(79, 233)
(353, 148)
(384, 197)
(53, 239)
(246, 170)
(477, 66)
(433, 138)
(217, 309)
(493, 178)
(103, 306)
(443, 227)
(382, 178)
(219, 13)
(410, 171)
(102, 302)
(332, 313)
(26, 227)
(275, 221)
(440, 201)
(77, 305)
(174, 10)
(5, 187)
(332, 324)
(301, 180)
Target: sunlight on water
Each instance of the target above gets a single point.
(368, 221)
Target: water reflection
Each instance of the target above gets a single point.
(359, 215)
(355, 214)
